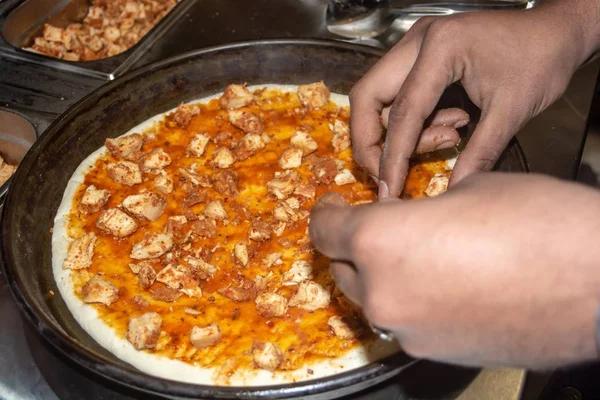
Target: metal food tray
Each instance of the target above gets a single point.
(22, 21)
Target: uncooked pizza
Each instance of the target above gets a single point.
(182, 245)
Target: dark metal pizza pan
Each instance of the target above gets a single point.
(39, 183)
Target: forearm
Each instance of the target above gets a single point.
(579, 19)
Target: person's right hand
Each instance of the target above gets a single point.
(512, 65)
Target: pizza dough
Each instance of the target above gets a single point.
(113, 225)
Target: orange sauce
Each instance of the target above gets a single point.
(304, 337)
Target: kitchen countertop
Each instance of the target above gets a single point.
(552, 143)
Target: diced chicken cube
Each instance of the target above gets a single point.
(241, 254)
(222, 158)
(272, 259)
(69, 56)
(438, 184)
(176, 226)
(143, 331)
(190, 286)
(112, 33)
(154, 245)
(289, 210)
(310, 296)
(116, 222)
(155, 160)
(246, 120)
(279, 228)
(140, 302)
(97, 290)
(260, 231)
(135, 268)
(184, 113)
(300, 271)
(262, 282)
(124, 172)
(170, 276)
(165, 293)
(204, 270)
(6, 171)
(114, 49)
(249, 145)
(253, 141)
(81, 252)
(124, 146)
(53, 49)
(340, 164)
(95, 44)
(236, 96)
(215, 210)
(205, 228)
(225, 183)
(306, 190)
(240, 293)
(280, 213)
(52, 33)
(93, 199)
(206, 336)
(266, 355)
(147, 205)
(94, 13)
(271, 305)
(314, 95)
(293, 203)
(191, 175)
(344, 177)
(163, 183)
(290, 158)
(341, 136)
(146, 274)
(342, 328)
(284, 183)
(197, 145)
(304, 142)
(325, 170)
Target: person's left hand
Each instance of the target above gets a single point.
(501, 270)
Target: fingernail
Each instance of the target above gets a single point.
(330, 198)
(445, 145)
(375, 179)
(460, 123)
(384, 191)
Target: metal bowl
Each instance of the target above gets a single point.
(17, 135)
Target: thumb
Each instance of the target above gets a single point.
(498, 124)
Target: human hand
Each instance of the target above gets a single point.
(512, 64)
(502, 270)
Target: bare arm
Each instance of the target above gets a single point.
(512, 64)
(501, 270)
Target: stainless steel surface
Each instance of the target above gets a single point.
(20, 379)
(356, 20)
(552, 143)
(21, 21)
(17, 135)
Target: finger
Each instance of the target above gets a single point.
(374, 91)
(420, 93)
(437, 138)
(330, 228)
(453, 117)
(493, 133)
(385, 116)
(346, 278)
